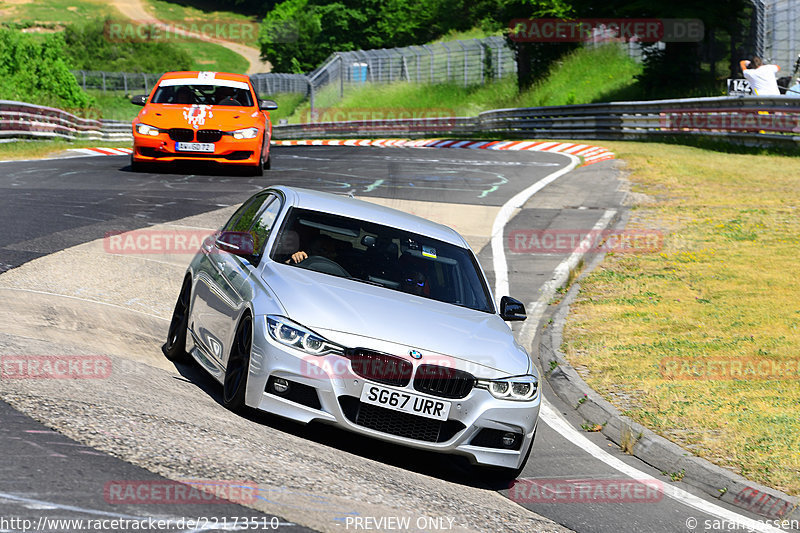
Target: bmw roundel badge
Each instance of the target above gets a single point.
(415, 354)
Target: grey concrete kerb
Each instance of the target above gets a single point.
(639, 441)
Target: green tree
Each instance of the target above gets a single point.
(35, 70)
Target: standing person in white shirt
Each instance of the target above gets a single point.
(761, 77)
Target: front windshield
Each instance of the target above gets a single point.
(380, 255)
(203, 94)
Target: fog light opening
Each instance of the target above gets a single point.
(280, 386)
(508, 439)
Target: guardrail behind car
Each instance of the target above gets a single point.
(767, 121)
(753, 120)
(21, 120)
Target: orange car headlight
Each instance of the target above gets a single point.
(146, 129)
(246, 133)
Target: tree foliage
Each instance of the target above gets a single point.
(34, 69)
(297, 35)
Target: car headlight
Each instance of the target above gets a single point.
(293, 334)
(246, 133)
(145, 129)
(518, 388)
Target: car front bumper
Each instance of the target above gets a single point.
(161, 148)
(326, 389)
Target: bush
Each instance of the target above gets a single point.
(34, 69)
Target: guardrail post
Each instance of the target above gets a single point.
(464, 50)
(448, 60)
(311, 97)
(426, 47)
(103, 74)
(483, 62)
(125, 82)
(341, 75)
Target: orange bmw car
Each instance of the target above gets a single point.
(203, 116)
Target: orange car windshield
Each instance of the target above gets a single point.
(203, 95)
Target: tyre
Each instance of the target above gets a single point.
(257, 169)
(175, 347)
(235, 384)
(268, 163)
(138, 166)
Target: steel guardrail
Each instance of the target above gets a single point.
(751, 120)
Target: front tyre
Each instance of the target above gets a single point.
(235, 385)
(175, 347)
(138, 166)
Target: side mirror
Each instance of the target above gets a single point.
(236, 242)
(511, 309)
(139, 99)
(267, 105)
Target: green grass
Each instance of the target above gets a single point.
(36, 149)
(59, 12)
(179, 12)
(113, 105)
(287, 104)
(474, 33)
(723, 287)
(584, 76)
(602, 74)
(210, 56)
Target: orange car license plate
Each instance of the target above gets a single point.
(194, 147)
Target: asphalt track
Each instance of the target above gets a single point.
(47, 206)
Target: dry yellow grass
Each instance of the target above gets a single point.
(725, 287)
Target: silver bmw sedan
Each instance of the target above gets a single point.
(318, 307)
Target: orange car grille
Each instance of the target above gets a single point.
(181, 134)
(209, 136)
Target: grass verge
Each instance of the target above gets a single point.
(722, 289)
(59, 12)
(37, 149)
(211, 56)
(186, 14)
(602, 74)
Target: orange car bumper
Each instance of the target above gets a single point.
(147, 148)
